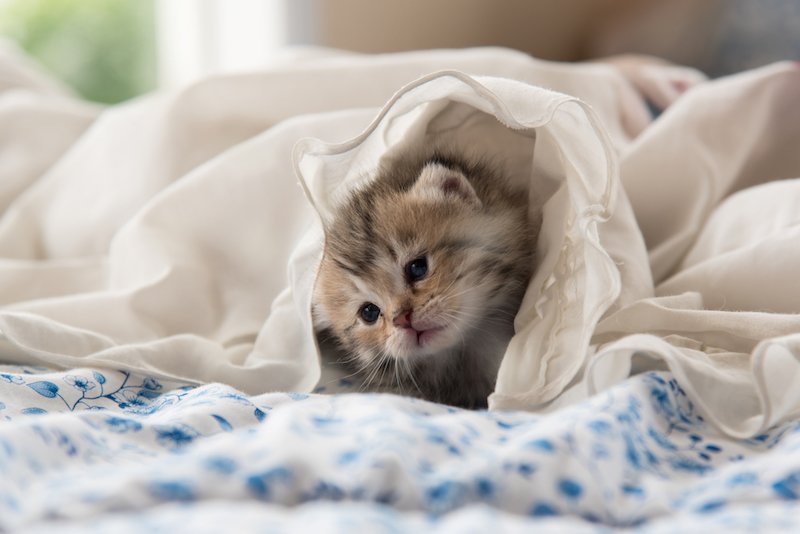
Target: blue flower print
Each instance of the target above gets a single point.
(44, 388)
(175, 436)
(180, 491)
(11, 379)
(324, 490)
(570, 488)
(446, 495)
(151, 384)
(543, 509)
(80, 383)
(121, 425)
(221, 464)
(261, 483)
(788, 487)
(132, 399)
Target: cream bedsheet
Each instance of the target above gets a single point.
(169, 235)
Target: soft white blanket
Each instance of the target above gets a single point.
(169, 235)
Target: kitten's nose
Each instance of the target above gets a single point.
(403, 319)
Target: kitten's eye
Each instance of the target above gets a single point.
(369, 312)
(417, 269)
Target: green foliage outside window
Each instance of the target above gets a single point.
(104, 49)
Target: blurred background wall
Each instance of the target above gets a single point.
(112, 50)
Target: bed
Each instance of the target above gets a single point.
(158, 366)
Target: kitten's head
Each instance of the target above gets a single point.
(423, 264)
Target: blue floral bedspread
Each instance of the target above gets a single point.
(106, 451)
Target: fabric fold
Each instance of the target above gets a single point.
(169, 235)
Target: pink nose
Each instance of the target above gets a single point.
(403, 319)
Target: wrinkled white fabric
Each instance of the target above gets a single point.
(169, 234)
(577, 279)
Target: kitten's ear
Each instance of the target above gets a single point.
(437, 182)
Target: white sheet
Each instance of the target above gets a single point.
(159, 241)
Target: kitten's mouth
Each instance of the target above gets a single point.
(423, 338)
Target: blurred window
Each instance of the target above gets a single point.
(103, 49)
(201, 37)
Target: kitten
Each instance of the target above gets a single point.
(423, 272)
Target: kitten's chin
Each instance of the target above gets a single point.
(429, 337)
(413, 344)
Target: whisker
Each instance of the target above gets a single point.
(410, 374)
(371, 367)
(401, 386)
